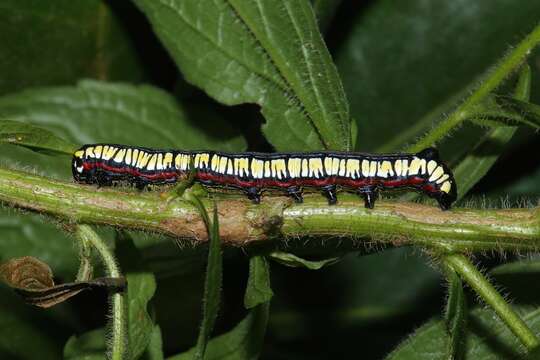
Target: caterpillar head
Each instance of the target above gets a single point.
(77, 167)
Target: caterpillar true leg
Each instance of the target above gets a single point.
(254, 194)
(370, 195)
(296, 193)
(331, 194)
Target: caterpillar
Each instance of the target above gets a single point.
(253, 172)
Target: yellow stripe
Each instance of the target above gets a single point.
(365, 168)
(119, 156)
(109, 153)
(167, 160)
(445, 187)
(89, 152)
(316, 167)
(97, 151)
(152, 162)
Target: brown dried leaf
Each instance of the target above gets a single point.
(33, 280)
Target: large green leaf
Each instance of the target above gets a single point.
(53, 43)
(101, 112)
(118, 113)
(266, 52)
(403, 59)
(27, 331)
(34, 235)
(243, 342)
(366, 289)
(487, 338)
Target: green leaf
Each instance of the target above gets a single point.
(369, 289)
(404, 60)
(455, 316)
(292, 260)
(27, 331)
(88, 346)
(34, 235)
(487, 338)
(154, 351)
(531, 266)
(477, 163)
(508, 111)
(213, 280)
(140, 290)
(55, 44)
(258, 289)
(243, 342)
(33, 137)
(269, 53)
(102, 112)
(143, 336)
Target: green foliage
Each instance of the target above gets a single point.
(271, 54)
(258, 289)
(405, 67)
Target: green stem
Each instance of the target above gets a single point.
(85, 268)
(119, 326)
(507, 65)
(489, 294)
(241, 222)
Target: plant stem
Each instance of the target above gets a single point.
(495, 77)
(489, 294)
(241, 222)
(86, 269)
(119, 326)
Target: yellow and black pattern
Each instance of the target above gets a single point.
(254, 172)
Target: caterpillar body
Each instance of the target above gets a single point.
(253, 173)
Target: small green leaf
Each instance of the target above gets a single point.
(258, 289)
(140, 290)
(33, 137)
(270, 53)
(243, 342)
(508, 111)
(292, 260)
(487, 338)
(213, 280)
(455, 316)
(517, 267)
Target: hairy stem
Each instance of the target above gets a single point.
(119, 333)
(241, 222)
(504, 68)
(491, 296)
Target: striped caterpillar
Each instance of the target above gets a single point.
(252, 173)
